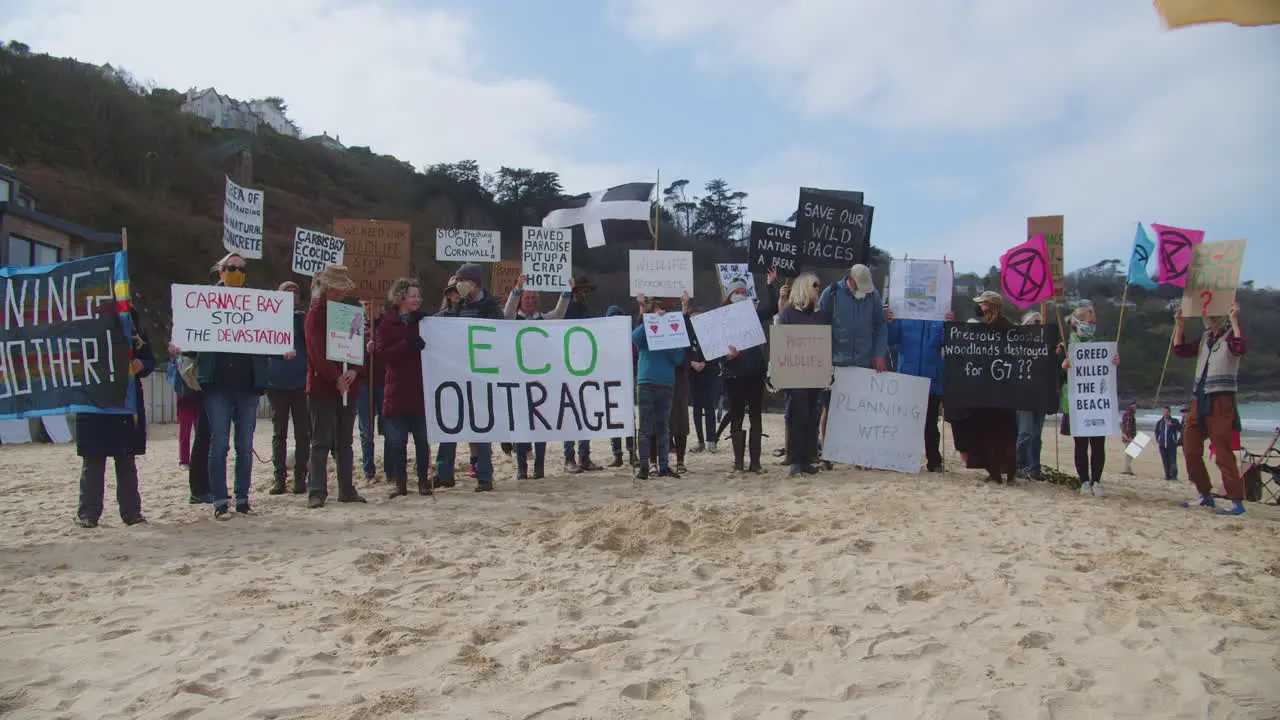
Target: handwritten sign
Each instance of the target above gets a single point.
(1026, 273)
(242, 220)
(728, 272)
(344, 333)
(799, 356)
(879, 418)
(503, 277)
(1140, 443)
(1175, 248)
(1051, 227)
(833, 231)
(313, 251)
(548, 258)
(1091, 390)
(920, 289)
(377, 254)
(666, 332)
(463, 246)
(661, 273)
(999, 367)
(773, 246)
(1213, 279)
(735, 324)
(235, 320)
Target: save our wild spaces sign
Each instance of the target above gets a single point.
(377, 254)
(67, 339)
(547, 259)
(313, 251)
(999, 367)
(833, 228)
(242, 220)
(209, 318)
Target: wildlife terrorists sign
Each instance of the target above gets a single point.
(882, 417)
(66, 339)
(513, 381)
(1091, 390)
(208, 318)
(377, 254)
(1213, 278)
(464, 246)
(313, 251)
(666, 331)
(735, 324)
(242, 220)
(998, 367)
(661, 273)
(834, 230)
(547, 256)
(774, 246)
(799, 356)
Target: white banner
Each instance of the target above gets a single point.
(242, 220)
(515, 381)
(920, 289)
(547, 259)
(313, 250)
(729, 272)
(876, 419)
(463, 246)
(1091, 390)
(735, 324)
(666, 332)
(661, 273)
(207, 318)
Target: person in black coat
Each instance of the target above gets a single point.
(119, 437)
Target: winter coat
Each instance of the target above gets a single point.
(291, 374)
(120, 435)
(402, 363)
(657, 367)
(486, 307)
(754, 361)
(323, 374)
(858, 333)
(919, 344)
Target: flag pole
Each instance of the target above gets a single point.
(657, 207)
(1168, 353)
(1124, 300)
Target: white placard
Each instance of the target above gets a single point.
(876, 419)
(661, 273)
(15, 432)
(666, 332)
(1091, 390)
(207, 318)
(57, 428)
(729, 272)
(735, 324)
(242, 220)
(547, 259)
(313, 251)
(920, 289)
(482, 246)
(1139, 443)
(344, 333)
(513, 381)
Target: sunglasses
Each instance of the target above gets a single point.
(233, 269)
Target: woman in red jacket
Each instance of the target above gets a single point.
(399, 346)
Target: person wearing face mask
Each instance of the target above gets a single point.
(398, 347)
(1213, 414)
(523, 305)
(985, 436)
(287, 396)
(1090, 452)
(581, 288)
(859, 336)
(745, 373)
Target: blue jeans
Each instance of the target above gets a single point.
(584, 451)
(367, 425)
(522, 462)
(225, 410)
(655, 421)
(445, 454)
(1030, 430)
(396, 430)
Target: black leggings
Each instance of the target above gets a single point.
(1091, 455)
(746, 399)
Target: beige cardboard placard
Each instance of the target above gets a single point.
(799, 356)
(503, 278)
(1051, 226)
(377, 254)
(1213, 278)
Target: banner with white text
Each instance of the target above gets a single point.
(208, 318)
(242, 220)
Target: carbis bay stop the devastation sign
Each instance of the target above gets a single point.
(506, 380)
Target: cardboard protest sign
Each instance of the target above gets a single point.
(833, 230)
(1213, 279)
(242, 220)
(1091, 390)
(344, 333)
(774, 246)
(799, 356)
(313, 251)
(879, 418)
(666, 332)
(661, 273)
(208, 318)
(547, 255)
(735, 324)
(503, 277)
(1139, 443)
(728, 272)
(1175, 248)
(377, 254)
(986, 366)
(513, 381)
(1026, 273)
(67, 339)
(920, 289)
(1051, 227)
(464, 246)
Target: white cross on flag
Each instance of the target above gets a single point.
(614, 214)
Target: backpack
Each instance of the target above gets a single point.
(182, 376)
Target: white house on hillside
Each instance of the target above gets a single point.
(272, 113)
(226, 112)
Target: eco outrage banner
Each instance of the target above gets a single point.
(513, 381)
(64, 343)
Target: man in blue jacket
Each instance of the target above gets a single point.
(858, 334)
(919, 344)
(287, 395)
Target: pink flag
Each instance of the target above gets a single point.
(1174, 249)
(1024, 273)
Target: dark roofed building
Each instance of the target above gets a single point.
(29, 237)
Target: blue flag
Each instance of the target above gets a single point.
(1143, 248)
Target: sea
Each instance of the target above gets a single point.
(1257, 418)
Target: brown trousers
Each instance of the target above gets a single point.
(1218, 429)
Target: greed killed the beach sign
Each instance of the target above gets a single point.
(512, 381)
(208, 318)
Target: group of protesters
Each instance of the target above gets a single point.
(219, 395)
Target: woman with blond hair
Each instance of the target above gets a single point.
(1090, 452)
(804, 405)
(399, 347)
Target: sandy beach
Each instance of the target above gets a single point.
(845, 595)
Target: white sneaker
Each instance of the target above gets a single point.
(1097, 490)
(1086, 489)
(711, 446)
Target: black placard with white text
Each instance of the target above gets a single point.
(994, 366)
(774, 246)
(833, 228)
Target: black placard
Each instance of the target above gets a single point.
(774, 246)
(833, 228)
(1002, 367)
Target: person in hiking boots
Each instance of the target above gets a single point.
(744, 379)
(118, 437)
(333, 418)
(287, 396)
(804, 405)
(398, 348)
(581, 289)
(523, 305)
(473, 302)
(655, 378)
(615, 444)
(859, 336)
(919, 344)
(704, 388)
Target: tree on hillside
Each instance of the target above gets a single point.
(524, 187)
(718, 218)
(679, 205)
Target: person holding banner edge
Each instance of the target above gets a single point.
(615, 444)
(580, 288)
(1090, 452)
(523, 305)
(398, 347)
(745, 374)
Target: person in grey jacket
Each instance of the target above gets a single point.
(859, 335)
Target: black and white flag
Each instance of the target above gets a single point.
(618, 215)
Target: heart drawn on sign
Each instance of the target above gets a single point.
(653, 329)
(675, 327)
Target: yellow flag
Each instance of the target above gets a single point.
(1245, 13)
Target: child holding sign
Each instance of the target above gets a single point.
(656, 378)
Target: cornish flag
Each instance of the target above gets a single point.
(617, 215)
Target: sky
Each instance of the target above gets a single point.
(956, 118)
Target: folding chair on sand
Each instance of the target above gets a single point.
(1261, 473)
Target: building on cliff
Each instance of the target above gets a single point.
(226, 112)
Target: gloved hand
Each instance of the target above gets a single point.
(417, 343)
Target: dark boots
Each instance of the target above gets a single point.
(401, 489)
(424, 484)
(739, 440)
(754, 450)
(278, 487)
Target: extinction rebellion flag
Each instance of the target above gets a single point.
(619, 215)
(65, 339)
